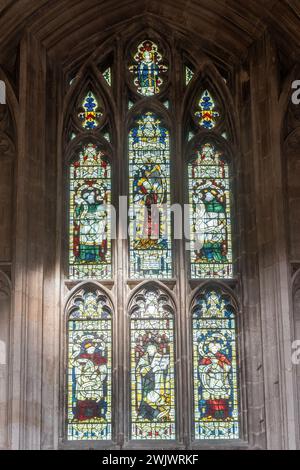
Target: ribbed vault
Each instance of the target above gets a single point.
(222, 28)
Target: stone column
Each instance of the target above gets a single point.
(31, 251)
(273, 268)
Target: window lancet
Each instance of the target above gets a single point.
(215, 366)
(209, 199)
(152, 366)
(89, 366)
(149, 198)
(90, 199)
(148, 69)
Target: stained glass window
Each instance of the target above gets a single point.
(149, 199)
(91, 113)
(107, 75)
(215, 367)
(90, 199)
(152, 367)
(188, 75)
(89, 367)
(209, 199)
(148, 69)
(207, 115)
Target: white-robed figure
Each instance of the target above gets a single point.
(153, 384)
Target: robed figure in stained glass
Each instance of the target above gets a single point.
(209, 196)
(152, 367)
(90, 368)
(148, 68)
(152, 374)
(210, 221)
(149, 190)
(90, 199)
(90, 223)
(213, 373)
(149, 197)
(215, 369)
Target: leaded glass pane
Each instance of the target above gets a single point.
(209, 199)
(90, 114)
(188, 75)
(152, 368)
(90, 228)
(107, 75)
(148, 69)
(207, 116)
(149, 199)
(215, 367)
(89, 368)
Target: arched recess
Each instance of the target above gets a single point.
(5, 314)
(153, 389)
(89, 358)
(215, 365)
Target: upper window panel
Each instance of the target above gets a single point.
(207, 115)
(210, 221)
(90, 199)
(149, 199)
(90, 112)
(148, 68)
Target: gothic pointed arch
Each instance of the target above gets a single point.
(208, 104)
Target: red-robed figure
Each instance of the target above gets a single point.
(91, 374)
(213, 372)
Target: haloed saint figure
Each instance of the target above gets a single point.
(90, 368)
(152, 373)
(215, 367)
(90, 225)
(152, 368)
(148, 68)
(213, 374)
